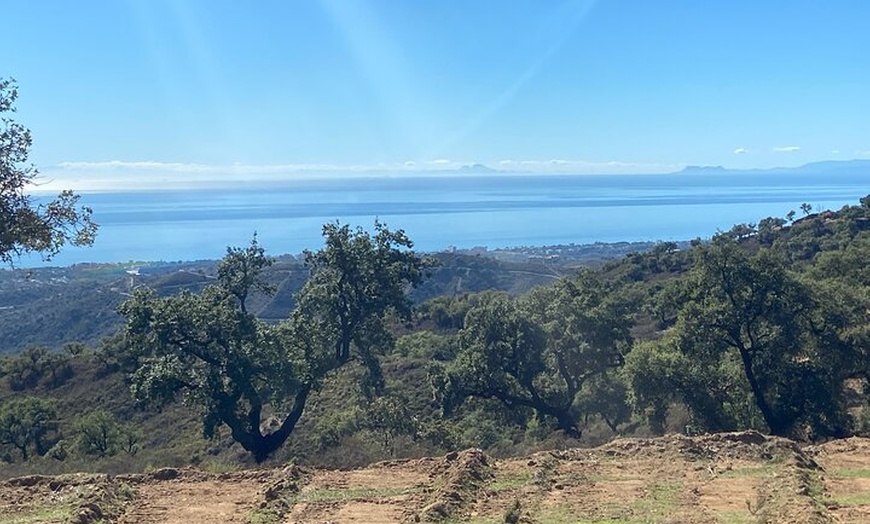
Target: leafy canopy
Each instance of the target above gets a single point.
(752, 341)
(28, 424)
(25, 225)
(240, 371)
(542, 352)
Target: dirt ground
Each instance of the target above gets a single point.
(846, 478)
(726, 479)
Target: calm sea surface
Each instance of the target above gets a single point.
(492, 210)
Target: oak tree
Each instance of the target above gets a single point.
(28, 224)
(238, 370)
(541, 352)
(749, 311)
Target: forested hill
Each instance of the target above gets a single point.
(59, 305)
(765, 327)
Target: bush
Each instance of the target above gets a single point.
(98, 433)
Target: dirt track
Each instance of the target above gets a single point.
(196, 498)
(727, 479)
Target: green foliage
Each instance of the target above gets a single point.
(57, 305)
(540, 352)
(28, 425)
(239, 371)
(448, 312)
(222, 360)
(239, 273)
(768, 228)
(25, 370)
(659, 374)
(388, 417)
(428, 346)
(26, 226)
(798, 300)
(748, 313)
(356, 279)
(606, 395)
(36, 365)
(98, 433)
(654, 370)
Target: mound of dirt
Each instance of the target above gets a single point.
(846, 445)
(730, 477)
(457, 479)
(749, 445)
(77, 498)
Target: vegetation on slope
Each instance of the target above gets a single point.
(764, 327)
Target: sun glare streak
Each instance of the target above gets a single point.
(205, 64)
(163, 24)
(570, 14)
(156, 49)
(384, 68)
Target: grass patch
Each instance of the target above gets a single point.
(38, 515)
(852, 499)
(264, 516)
(217, 467)
(852, 473)
(660, 499)
(658, 502)
(509, 482)
(735, 517)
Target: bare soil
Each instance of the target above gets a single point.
(846, 478)
(724, 479)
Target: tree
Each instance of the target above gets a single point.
(659, 374)
(751, 308)
(98, 433)
(29, 367)
(768, 229)
(742, 231)
(25, 225)
(541, 352)
(26, 424)
(356, 280)
(388, 417)
(841, 279)
(237, 370)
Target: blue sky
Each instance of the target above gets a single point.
(163, 90)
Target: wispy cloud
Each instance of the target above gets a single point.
(741, 151)
(786, 149)
(180, 167)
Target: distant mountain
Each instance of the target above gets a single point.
(477, 168)
(703, 170)
(827, 167)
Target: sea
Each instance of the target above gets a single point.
(444, 212)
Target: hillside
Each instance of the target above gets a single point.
(716, 479)
(55, 306)
(633, 337)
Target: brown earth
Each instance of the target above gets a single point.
(725, 478)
